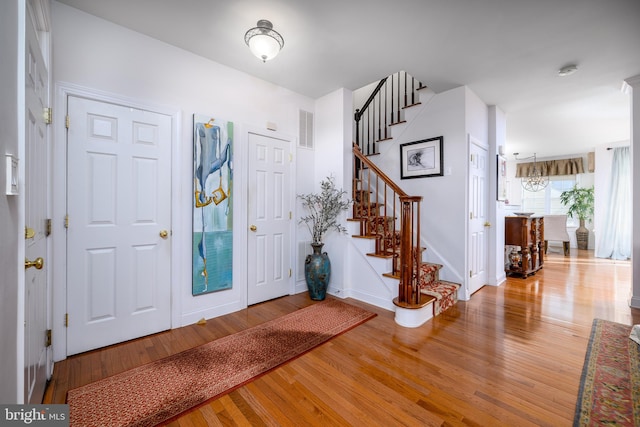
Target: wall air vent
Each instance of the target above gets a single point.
(305, 139)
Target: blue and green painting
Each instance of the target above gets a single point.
(212, 205)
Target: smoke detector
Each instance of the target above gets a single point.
(567, 70)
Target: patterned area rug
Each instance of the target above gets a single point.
(610, 384)
(153, 393)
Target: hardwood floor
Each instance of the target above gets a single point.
(511, 356)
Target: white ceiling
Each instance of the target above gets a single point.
(506, 51)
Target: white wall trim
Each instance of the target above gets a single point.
(59, 194)
(634, 83)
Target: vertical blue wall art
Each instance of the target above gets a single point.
(212, 205)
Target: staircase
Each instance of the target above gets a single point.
(385, 109)
(389, 217)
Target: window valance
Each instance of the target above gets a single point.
(552, 167)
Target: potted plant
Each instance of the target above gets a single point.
(580, 202)
(323, 211)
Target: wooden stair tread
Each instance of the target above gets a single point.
(445, 292)
(424, 301)
(445, 286)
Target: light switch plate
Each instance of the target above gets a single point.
(12, 175)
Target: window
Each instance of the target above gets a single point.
(547, 201)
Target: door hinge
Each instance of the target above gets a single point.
(47, 227)
(290, 272)
(48, 115)
(67, 121)
(66, 320)
(470, 215)
(290, 157)
(470, 273)
(290, 215)
(48, 338)
(66, 221)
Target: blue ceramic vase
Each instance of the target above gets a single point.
(317, 271)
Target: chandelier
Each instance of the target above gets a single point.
(534, 181)
(263, 41)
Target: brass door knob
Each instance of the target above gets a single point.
(164, 234)
(38, 263)
(487, 224)
(253, 228)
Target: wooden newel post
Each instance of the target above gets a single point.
(409, 250)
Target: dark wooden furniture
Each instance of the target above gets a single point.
(525, 235)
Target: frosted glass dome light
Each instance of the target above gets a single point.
(263, 41)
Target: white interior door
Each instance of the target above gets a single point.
(478, 222)
(269, 219)
(36, 185)
(119, 216)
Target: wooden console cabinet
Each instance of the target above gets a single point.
(525, 235)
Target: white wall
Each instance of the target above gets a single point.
(12, 30)
(96, 54)
(497, 139)
(476, 117)
(333, 132)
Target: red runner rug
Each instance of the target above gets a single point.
(153, 393)
(610, 384)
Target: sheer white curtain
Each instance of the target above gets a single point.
(615, 241)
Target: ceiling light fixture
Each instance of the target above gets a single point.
(263, 41)
(535, 181)
(567, 70)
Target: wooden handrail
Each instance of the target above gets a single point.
(382, 109)
(361, 111)
(376, 169)
(402, 243)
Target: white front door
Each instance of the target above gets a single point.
(36, 186)
(119, 218)
(478, 222)
(269, 219)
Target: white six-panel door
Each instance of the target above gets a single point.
(119, 216)
(36, 187)
(478, 220)
(269, 219)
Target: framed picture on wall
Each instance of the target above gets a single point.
(502, 179)
(212, 204)
(422, 159)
